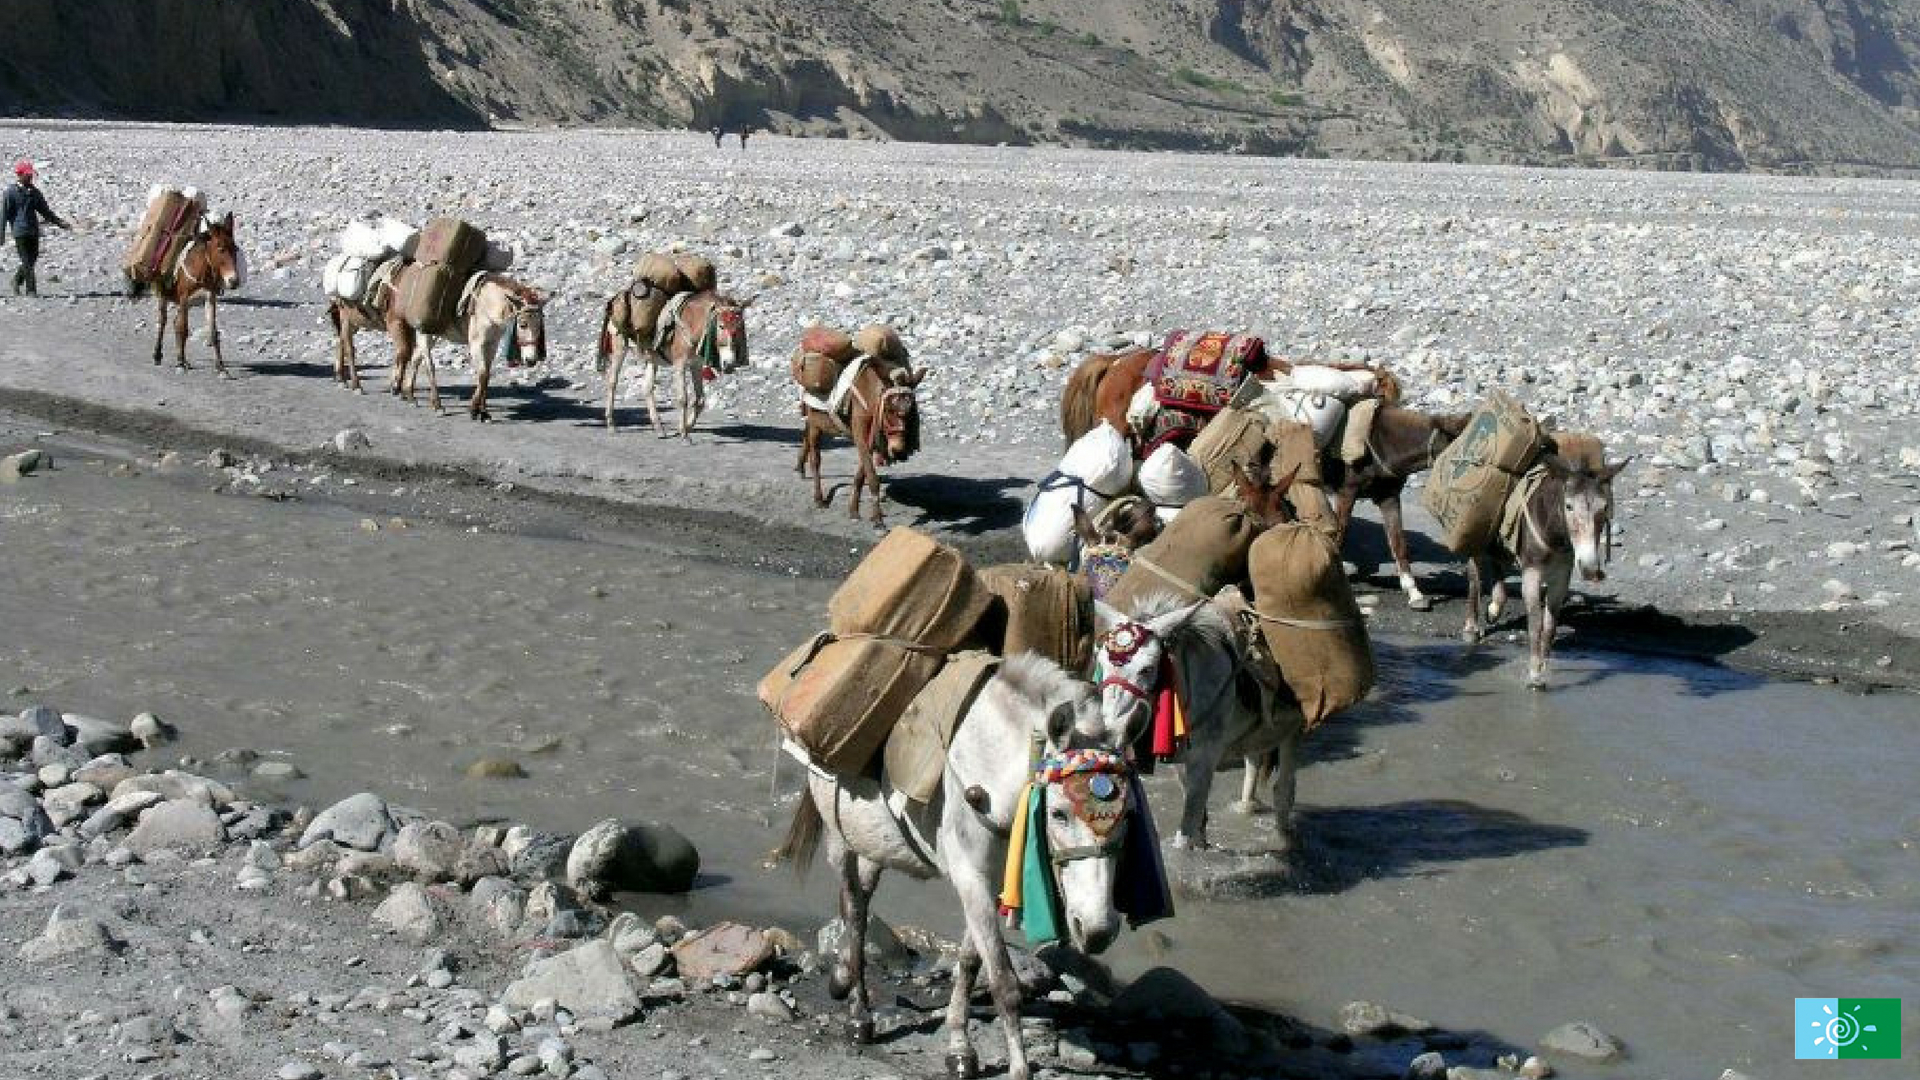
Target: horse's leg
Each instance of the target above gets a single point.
(859, 879)
(815, 436)
(1472, 632)
(646, 385)
(1343, 505)
(483, 373)
(180, 336)
(1202, 758)
(1497, 591)
(1285, 762)
(981, 909)
(213, 333)
(873, 478)
(1539, 625)
(688, 389)
(1397, 542)
(425, 360)
(613, 377)
(962, 1062)
(1258, 775)
(353, 357)
(160, 332)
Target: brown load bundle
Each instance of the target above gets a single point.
(828, 342)
(1473, 476)
(916, 753)
(660, 272)
(427, 295)
(697, 270)
(881, 342)
(171, 220)
(911, 588)
(1233, 437)
(1310, 621)
(840, 699)
(452, 243)
(1294, 451)
(816, 374)
(1042, 609)
(1202, 550)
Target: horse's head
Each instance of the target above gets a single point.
(900, 412)
(1127, 523)
(1265, 500)
(1085, 799)
(1131, 656)
(223, 252)
(530, 324)
(730, 331)
(1586, 501)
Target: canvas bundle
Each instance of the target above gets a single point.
(881, 342)
(828, 342)
(661, 272)
(911, 588)
(1234, 436)
(697, 271)
(1310, 620)
(1296, 452)
(1201, 550)
(916, 749)
(429, 294)
(171, 221)
(1041, 609)
(351, 277)
(815, 373)
(1473, 476)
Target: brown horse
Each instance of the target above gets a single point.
(1564, 520)
(1102, 388)
(497, 310)
(210, 264)
(708, 330)
(883, 422)
(1403, 442)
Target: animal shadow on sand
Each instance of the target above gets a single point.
(1184, 1024)
(972, 506)
(1637, 640)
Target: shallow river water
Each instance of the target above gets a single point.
(1669, 851)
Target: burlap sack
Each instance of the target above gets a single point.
(840, 699)
(881, 342)
(1233, 437)
(1310, 621)
(828, 342)
(1041, 609)
(451, 243)
(1201, 551)
(816, 374)
(1473, 476)
(660, 272)
(916, 752)
(428, 295)
(1295, 451)
(911, 588)
(171, 220)
(698, 270)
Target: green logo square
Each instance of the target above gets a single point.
(1878, 1029)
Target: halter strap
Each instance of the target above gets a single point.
(1124, 684)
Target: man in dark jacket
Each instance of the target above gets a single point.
(23, 210)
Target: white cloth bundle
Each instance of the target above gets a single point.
(1096, 469)
(1170, 478)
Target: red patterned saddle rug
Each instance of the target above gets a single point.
(1193, 377)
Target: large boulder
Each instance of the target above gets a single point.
(590, 980)
(176, 823)
(411, 912)
(722, 949)
(174, 784)
(23, 824)
(644, 857)
(68, 933)
(18, 732)
(362, 822)
(431, 850)
(96, 737)
(1163, 995)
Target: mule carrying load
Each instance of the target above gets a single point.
(1473, 478)
(861, 387)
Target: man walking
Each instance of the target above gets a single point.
(23, 210)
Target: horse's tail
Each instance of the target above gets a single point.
(803, 835)
(1080, 399)
(605, 355)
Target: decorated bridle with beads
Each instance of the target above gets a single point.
(1096, 784)
(1118, 647)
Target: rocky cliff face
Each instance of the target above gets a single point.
(1681, 83)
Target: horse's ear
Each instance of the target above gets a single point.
(1163, 625)
(1249, 490)
(1106, 616)
(1608, 472)
(226, 222)
(1280, 486)
(917, 378)
(1083, 525)
(1557, 466)
(1060, 723)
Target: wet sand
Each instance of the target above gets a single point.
(1668, 850)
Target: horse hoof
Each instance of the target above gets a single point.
(1420, 603)
(963, 1066)
(860, 1032)
(1471, 635)
(1248, 807)
(839, 984)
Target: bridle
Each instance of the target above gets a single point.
(1097, 783)
(1117, 647)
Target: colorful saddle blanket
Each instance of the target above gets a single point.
(1194, 376)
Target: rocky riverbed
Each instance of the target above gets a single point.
(1745, 339)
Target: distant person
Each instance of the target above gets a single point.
(744, 132)
(25, 207)
(717, 133)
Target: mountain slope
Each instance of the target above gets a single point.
(1682, 83)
